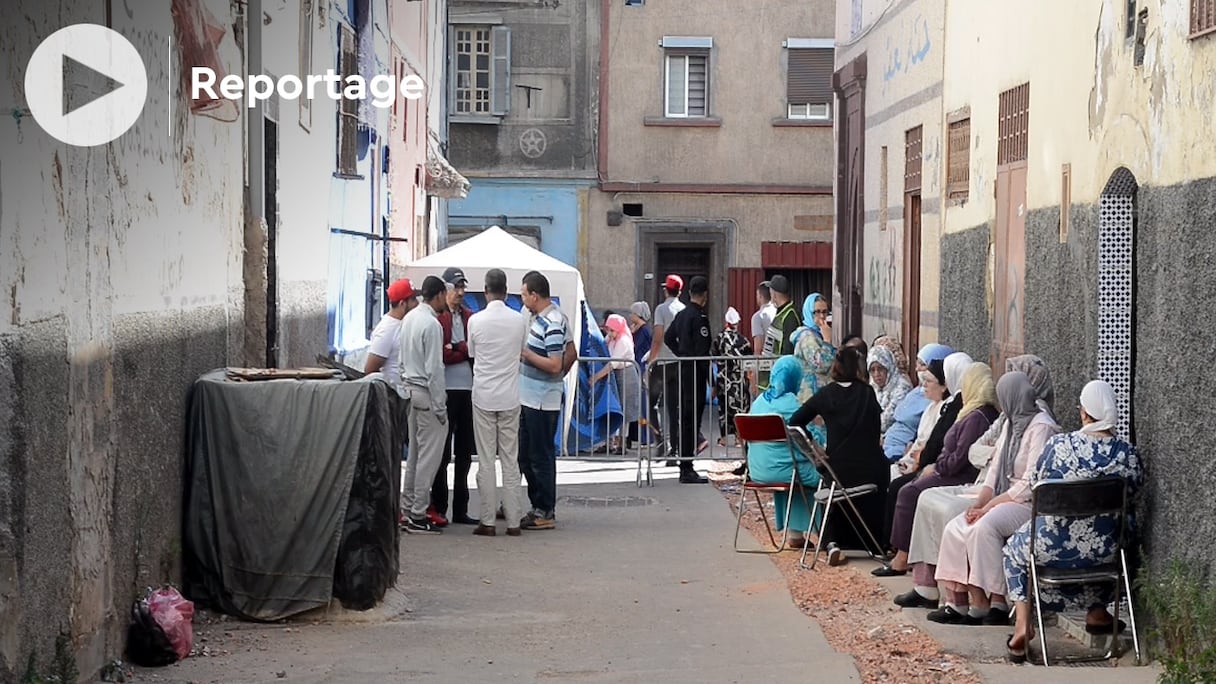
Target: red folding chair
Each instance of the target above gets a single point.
(755, 429)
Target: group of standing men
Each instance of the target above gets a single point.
(490, 381)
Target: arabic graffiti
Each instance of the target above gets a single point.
(907, 49)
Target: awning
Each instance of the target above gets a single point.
(442, 180)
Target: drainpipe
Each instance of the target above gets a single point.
(256, 151)
(601, 156)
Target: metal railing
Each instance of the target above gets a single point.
(663, 399)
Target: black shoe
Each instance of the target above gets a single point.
(996, 616)
(888, 571)
(421, 526)
(692, 477)
(949, 616)
(465, 520)
(913, 599)
(672, 464)
(740, 470)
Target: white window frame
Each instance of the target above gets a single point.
(685, 48)
(497, 104)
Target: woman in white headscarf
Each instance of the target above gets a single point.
(1091, 452)
(730, 387)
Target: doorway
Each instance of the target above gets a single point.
(849, 84)
(913, 164)
(686, 261)
(1009, 237)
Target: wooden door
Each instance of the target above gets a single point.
(910, 321)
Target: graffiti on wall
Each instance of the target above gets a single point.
(906, 47)
(883, 284)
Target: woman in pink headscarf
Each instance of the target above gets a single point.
(629, 384)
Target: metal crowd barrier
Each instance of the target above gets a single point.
(659, 409)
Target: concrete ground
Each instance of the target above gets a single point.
(635, 585)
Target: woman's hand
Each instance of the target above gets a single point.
(975, 513)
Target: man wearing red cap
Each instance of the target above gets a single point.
(386, 343)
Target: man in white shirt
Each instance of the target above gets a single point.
(386, 339)
(761, 320)
(496, 337)
(421, 367)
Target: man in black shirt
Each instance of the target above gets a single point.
(689, 336)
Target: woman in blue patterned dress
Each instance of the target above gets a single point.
(1091, 452)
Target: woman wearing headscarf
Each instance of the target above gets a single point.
(730, 386)
(938, 506)
(897, 440)
(639, 325)
(890, 385)
(970, 569)
(816, 356)
(1091, 452)
(952, 467)
(771, 462)
(628, 381)
(896, 349)
(814, 315)
(923, 451)
(850, 412)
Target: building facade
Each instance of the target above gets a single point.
(1078, 196)
(715, 150)
(209, 235)
(521, 104)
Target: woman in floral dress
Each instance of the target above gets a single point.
(1091, 452)
(730, 386)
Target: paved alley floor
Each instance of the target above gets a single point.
(635, 585)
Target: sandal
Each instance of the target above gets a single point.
(1017, 656)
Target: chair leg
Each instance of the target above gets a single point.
(764, 516)
(861, 521)
(827, 510)
(1113, 651)
(1038, 612)
(739, 516)
(1131, 606)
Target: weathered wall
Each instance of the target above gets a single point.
(551, 131)
(905, 48)
(554, 206)
(746, 92)
(410, 24)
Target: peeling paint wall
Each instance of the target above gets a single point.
(904, 44)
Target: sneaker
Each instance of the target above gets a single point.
(421, 526)
(436, 519)
(539, 522)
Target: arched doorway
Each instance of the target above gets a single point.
(1116, 290)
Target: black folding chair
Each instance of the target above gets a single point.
(1083, 499)
(756, 429)
(833, 494)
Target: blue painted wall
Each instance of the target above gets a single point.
(553, 205)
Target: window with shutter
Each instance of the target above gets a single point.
(687, 88)
(958, 159)
(480, 84)
(348, 109)
(1203, 17)
(808, 88)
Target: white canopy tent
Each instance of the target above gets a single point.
(496, 248)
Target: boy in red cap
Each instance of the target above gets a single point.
(385, 343)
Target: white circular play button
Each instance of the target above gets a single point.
(86, 85)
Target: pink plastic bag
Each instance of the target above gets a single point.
(174, 613)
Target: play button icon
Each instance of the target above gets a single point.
(86, 85)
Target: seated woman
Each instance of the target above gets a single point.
(772, 462)
(815, 353)
(890, 385)
(952, 466)
(924, 450)
(1093, 451)
(938, 506)
(850, 412)
(898, 439)
(970, 569)
(628, 380)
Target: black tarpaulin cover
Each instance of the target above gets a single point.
(291, 491)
